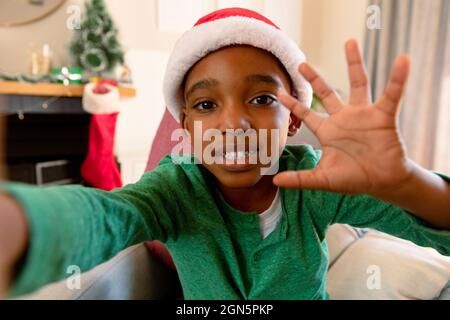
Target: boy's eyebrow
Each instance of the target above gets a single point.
(202, 84)
(254, 78)
(257, 78)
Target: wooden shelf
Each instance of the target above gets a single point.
(52, 89)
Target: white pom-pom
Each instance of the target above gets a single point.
(101, 103)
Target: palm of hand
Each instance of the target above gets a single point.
(362, 145)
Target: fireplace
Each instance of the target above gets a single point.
(46, 139)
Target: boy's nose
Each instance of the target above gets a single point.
(234, 117)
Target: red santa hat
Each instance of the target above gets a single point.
(226, 27)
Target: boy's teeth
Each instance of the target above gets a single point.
(238, 155)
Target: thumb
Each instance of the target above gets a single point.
(307, 179)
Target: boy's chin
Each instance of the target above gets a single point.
(240, 179)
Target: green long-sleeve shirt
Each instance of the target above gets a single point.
(218, 251)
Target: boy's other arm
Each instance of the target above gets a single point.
(363, 152)
(13, 239)
(424, 194)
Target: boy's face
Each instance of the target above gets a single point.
(236, 88)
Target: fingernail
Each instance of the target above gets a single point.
(302, 67)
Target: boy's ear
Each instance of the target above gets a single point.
(183, 118)
(294, 122)
(294, 125)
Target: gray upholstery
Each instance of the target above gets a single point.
(131, 275)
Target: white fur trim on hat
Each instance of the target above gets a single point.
(97, 103)
(211, 36)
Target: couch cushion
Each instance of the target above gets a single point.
(339, 237)
(402, 270)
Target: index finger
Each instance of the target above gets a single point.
(312, 120)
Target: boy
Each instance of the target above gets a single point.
(233, 231)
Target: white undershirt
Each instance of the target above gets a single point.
(268, 220)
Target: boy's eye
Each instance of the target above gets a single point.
(204, 105)
(263, 100)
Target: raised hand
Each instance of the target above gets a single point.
(362, 148)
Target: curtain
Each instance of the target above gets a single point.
(421, 29)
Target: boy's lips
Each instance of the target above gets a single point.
(237, 166)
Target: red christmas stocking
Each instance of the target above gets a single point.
(100, 169)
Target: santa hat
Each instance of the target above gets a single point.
(226, 27)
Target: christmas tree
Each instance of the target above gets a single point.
(94, 46)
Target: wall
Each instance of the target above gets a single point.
(138, 25)
(15, 41)
(327, 24)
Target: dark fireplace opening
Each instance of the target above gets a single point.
(46, 149)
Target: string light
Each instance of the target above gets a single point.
(47, 103)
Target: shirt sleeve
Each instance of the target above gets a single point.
(83, 227)
(367, 212)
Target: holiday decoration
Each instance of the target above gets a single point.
(7, 76)
(67, 75)
(99, 168)
(95, 46)
(39, 60)
(123, 73)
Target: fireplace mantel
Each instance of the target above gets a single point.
(46, 98)
(52, 89)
